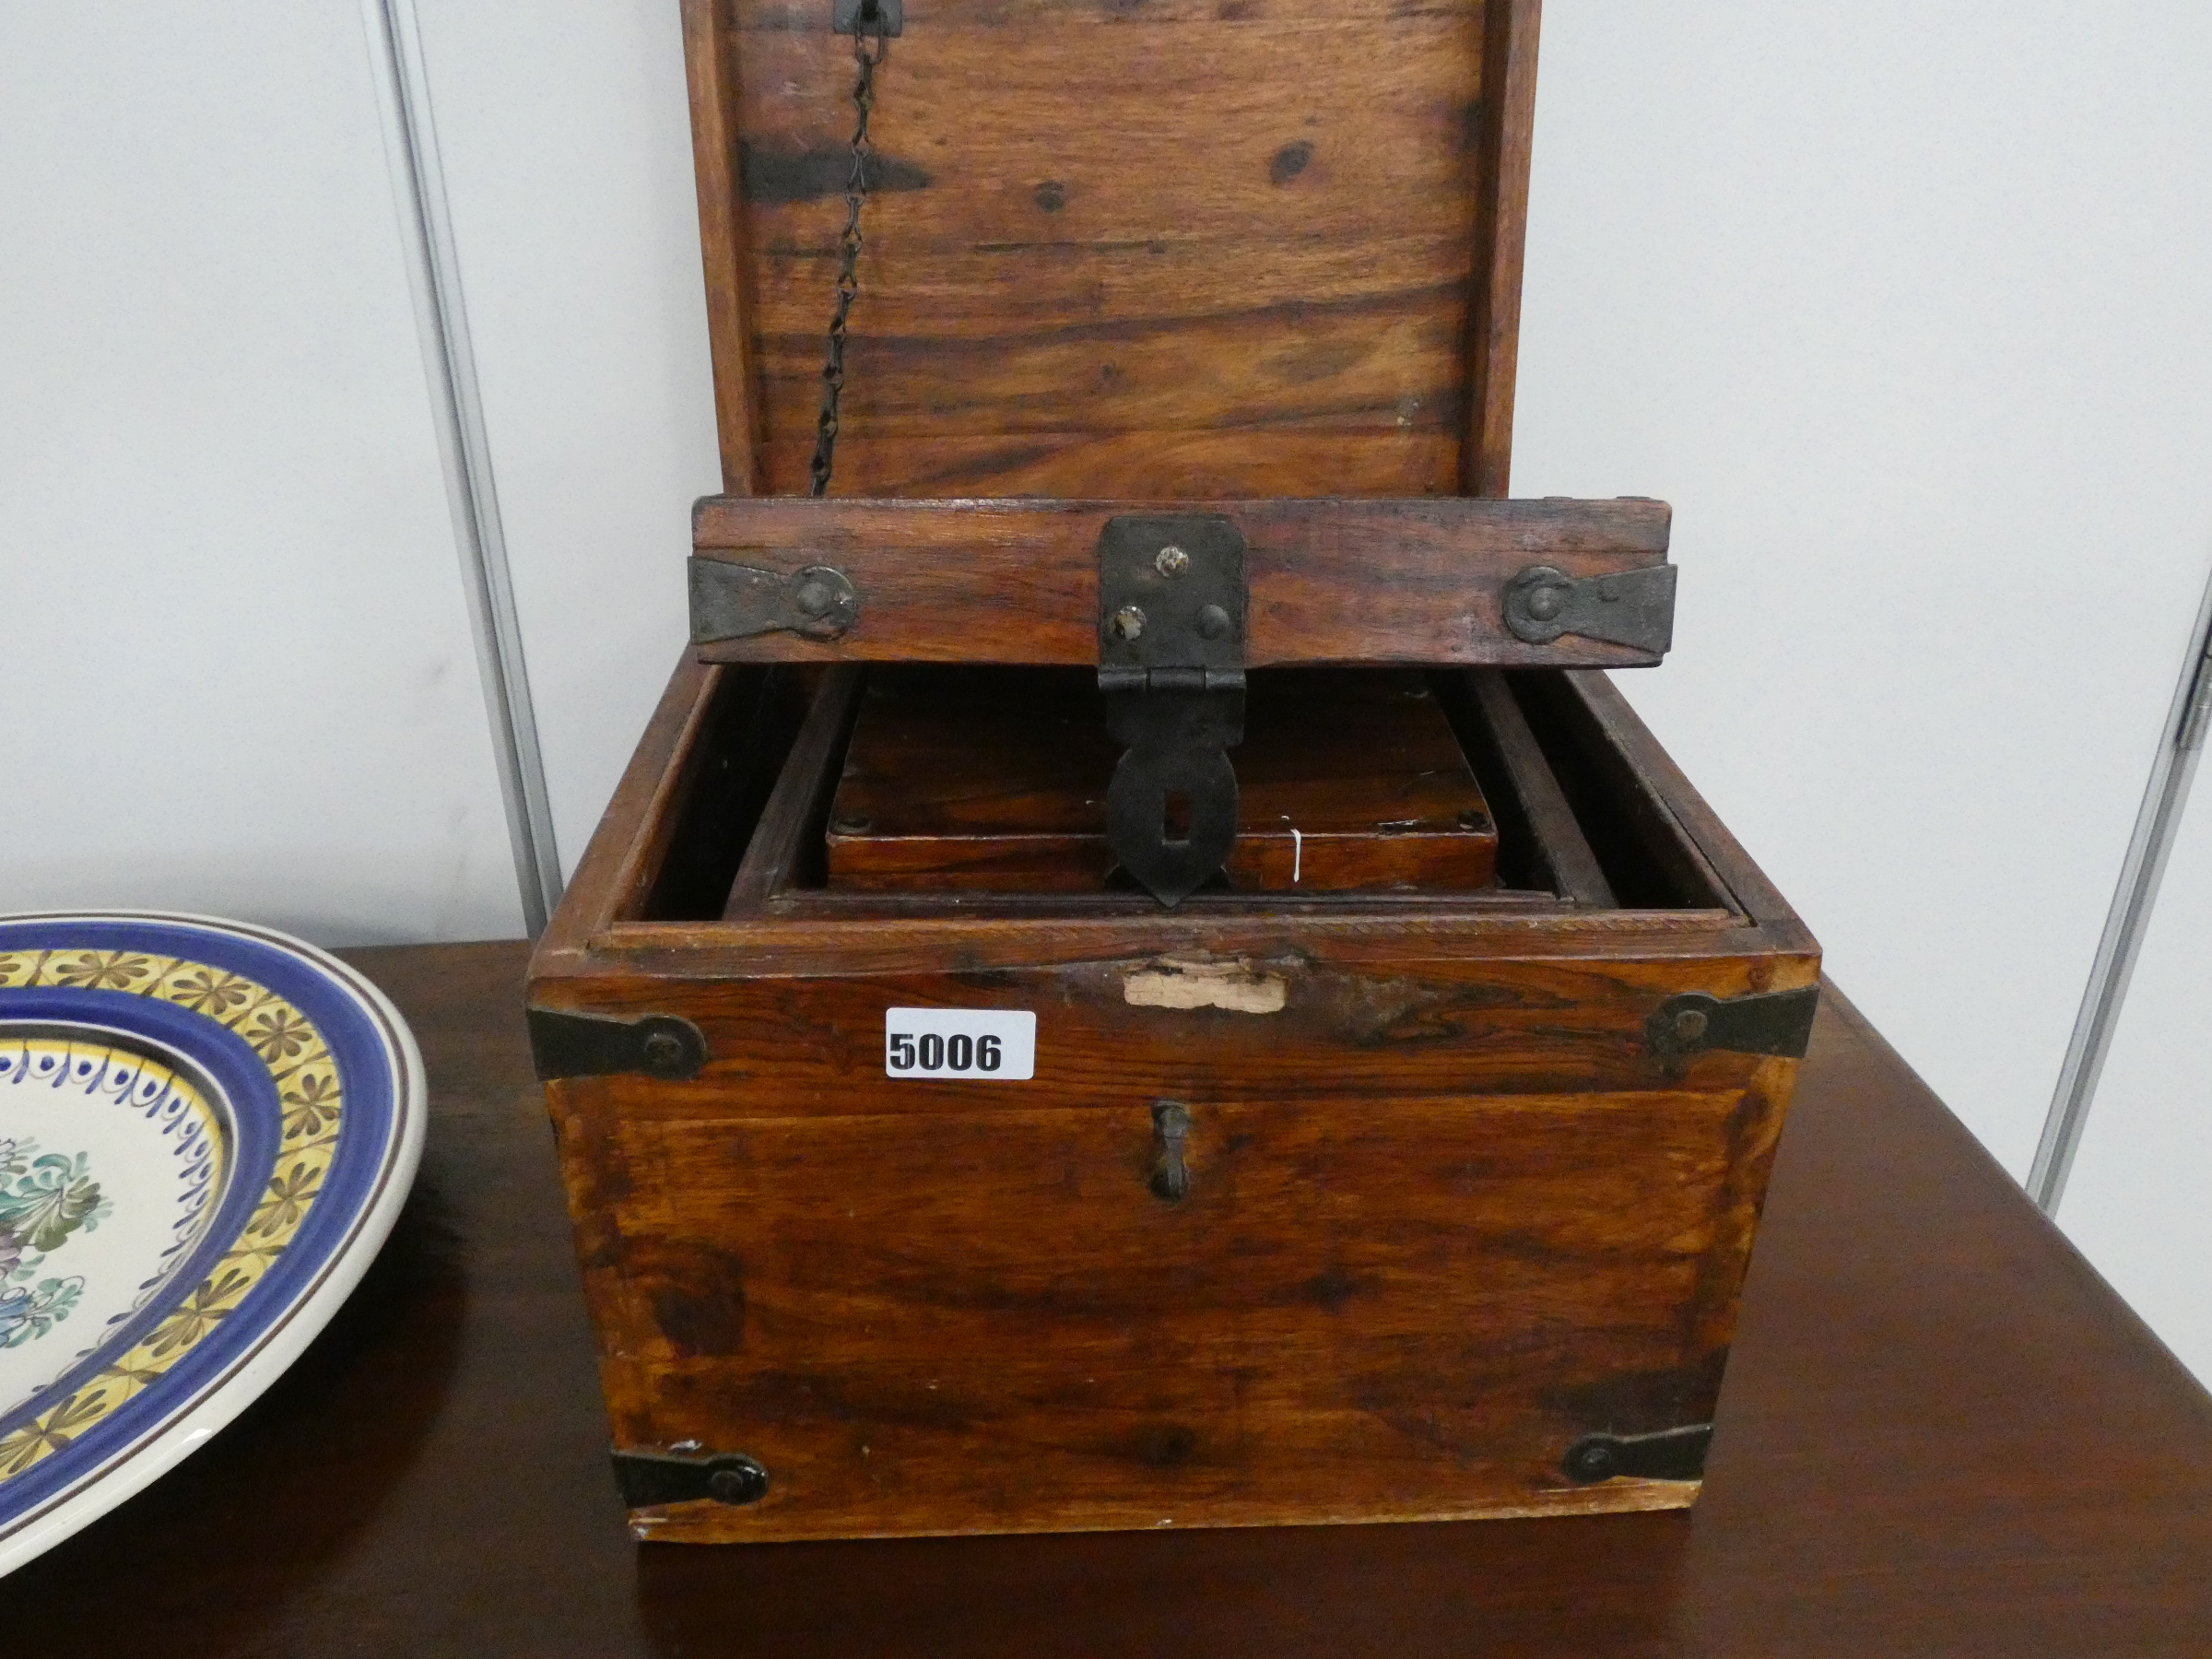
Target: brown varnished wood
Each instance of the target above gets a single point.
(593, 934)
(1163, 465)
(793, 1242)
(995, 780)
(1107, 241)
(1877, 1485)
(897, 1341)
(789, 829)
(613, 875)
(809, 1045)
(1330, 580)
(1507, 121)
(712, 75)
(1566, 850)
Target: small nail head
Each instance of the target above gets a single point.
(1690, 1024)
(1213, 622)
(1128, 622)
(1546, 603)
(1172, 561)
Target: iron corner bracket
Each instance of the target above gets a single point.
(1770, 1022)
(1635, 608)
(687, 1475)
(1669, 1454)
(566, 1044)
(732, 601)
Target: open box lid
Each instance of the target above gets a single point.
(1184, 342)
(1122, 249)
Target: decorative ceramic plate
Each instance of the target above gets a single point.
(206, 1130)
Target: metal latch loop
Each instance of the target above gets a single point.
(1172, 612)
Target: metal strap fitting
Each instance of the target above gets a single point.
(649, 1479)
(594, 1045)
(1629, 607)
(1770, 1022)
(1173, 610)
(732, 601)
(1669, 1454)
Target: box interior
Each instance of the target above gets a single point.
(1576, 828)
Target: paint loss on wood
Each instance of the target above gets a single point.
(1238, 986)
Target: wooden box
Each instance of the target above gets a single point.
(1414, 1181)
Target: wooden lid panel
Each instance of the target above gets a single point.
(1330, 580)
(1136, 247)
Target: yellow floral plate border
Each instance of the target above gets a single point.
(307, 1078)
(299, 1063)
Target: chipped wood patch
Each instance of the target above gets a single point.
(1175, 982)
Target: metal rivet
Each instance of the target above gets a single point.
(1593, 1459)
(1128, 622)
(1545, 603)
(1213, 622)
(1689, 1025)
(814, 596)
(736, 1486)
(663, 1051)
(1172, 562)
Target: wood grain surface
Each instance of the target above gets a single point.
(1361, 1309)
(1193, 247)
(1941, 1435)
(997, 778)
(1330, 580)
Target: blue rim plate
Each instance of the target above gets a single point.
(207, 1131)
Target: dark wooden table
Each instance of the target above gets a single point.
(1941, 1435)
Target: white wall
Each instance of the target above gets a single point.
(2136, 1202)
(567, 152)
(1908, 310)
(237, 671)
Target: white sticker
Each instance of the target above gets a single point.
(999, 1045)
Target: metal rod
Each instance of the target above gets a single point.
(2163, 797)
(434, 275)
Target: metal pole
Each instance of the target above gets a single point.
(434, 275)
(2163, 798)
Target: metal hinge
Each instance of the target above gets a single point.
(735, 601)
(1173, 608)
(592, 1045)
(1772, 1022)
(1629, 607)
(648, 1478)
(1669, 1454)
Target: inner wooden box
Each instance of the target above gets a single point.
(748, 824)
(995, 778)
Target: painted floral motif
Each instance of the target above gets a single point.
(207, 991)
(300, 1065)
(102, 969)
(44, 1197)
(311, 1104)
(55, 1429)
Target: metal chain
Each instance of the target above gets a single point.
(848, 265)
